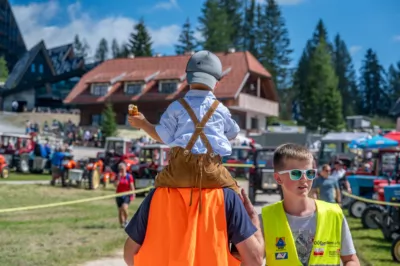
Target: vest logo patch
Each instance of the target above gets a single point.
(335, 253)
(280, 243)
(281, 256)
(318, 252)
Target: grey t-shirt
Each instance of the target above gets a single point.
(303, 230)
(327, 188)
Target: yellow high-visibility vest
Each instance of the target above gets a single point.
(279, 243)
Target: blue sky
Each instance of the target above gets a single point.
(362, 24)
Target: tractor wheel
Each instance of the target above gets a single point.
(371, 215)
(356, 208)
(5, 172)
(396, 249)
(94, 179)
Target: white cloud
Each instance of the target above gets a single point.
(35, 24)
(396, 38)
(285, 2)
(355, 49)
(171, 4)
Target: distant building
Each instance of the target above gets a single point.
(43, 77)
(12, 45)
(246, 88)
(358, 122)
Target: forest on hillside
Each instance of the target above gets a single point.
(319, 92)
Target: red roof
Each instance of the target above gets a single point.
(151, 70)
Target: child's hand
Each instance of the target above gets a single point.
(137, 120)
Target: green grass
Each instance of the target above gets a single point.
(372, 248)
(26, 177)
(384, 122)
(66, 235)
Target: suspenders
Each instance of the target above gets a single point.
(199, 126)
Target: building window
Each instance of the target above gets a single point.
(99, 89)
(133, 88)
(236, 117)
(254, 123)
(96, 120)
(33, 69)
(168, 87)
(41, 69)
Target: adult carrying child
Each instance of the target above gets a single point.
(196, 199)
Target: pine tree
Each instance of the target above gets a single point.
(275, 47)
(115, 51)
(81, 47)
(347, 83)
(250, 29)
(320, 34)
(187, 41)
(215, 27)
(234, 10)
(376, 99)
(393, 82)
(140, 43)
(109, 123)
(3, 70)
(102, 51)
(300, 86)
(124, 51)
(324, 105)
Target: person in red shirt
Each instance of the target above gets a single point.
(123, 183)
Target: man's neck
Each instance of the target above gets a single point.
(299, 207)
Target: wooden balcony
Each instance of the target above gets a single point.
(246, 103)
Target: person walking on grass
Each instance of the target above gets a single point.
(300, 230)
(123, 183)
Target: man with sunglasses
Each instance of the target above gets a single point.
(301, 230)
(326, 189)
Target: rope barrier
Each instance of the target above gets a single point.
(377, 202)
(57, 204)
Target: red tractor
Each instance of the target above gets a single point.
(103, 169)
(16, 148)
(153, 158)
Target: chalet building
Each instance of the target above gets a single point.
(153, 83)
(43, 77)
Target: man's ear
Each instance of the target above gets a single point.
(278, 178)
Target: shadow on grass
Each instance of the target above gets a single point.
(95, 226)
(378, 239)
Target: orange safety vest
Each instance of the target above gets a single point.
(179, 235)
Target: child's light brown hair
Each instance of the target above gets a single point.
(290, 151)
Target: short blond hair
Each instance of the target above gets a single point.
(290, 151)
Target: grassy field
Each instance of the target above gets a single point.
(371, 247)
(26, 177)
(65, 235)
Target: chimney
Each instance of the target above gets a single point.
(131, 56)
(231, 50)
(158, 55)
